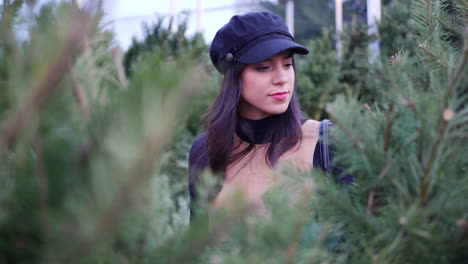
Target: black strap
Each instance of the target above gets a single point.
(323, 145)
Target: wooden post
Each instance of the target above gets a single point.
(374, 14)
(200, 15)
(290, 16)
(339, 27)
(174, 15)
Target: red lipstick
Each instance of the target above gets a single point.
(280, 95)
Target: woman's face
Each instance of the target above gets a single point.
(267, 86)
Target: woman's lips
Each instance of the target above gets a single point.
(280, 96)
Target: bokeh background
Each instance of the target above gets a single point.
(98, 112)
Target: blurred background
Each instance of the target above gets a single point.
(100, 102)
(125, 18)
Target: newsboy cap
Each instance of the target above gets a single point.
(251, 38)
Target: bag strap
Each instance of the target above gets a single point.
(324, 151)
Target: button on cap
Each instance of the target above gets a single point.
(229, 57)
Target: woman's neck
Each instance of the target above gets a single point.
(258, 131)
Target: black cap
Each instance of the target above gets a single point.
(251, 38)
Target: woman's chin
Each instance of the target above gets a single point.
(278, 110)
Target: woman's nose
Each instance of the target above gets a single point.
(280, 76)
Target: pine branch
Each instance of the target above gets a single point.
(425, 179)
(117, 58)
(370, 202)
(449, 28)
(462, 224)
(400, 189)
(432, 55)
(374, 190)
(152, 148)
(291, 250)
(348, 132)
(197, 244)
(455, 79)
(321, 239)
(409, 103)
(372, 113)
(80, 96)
(388, 129)
(48, 85)
(429, 12)
(347, 210)
(447, 116)
(110, 218)
(384, 172)
(40, 173)
(458, 72)
(10, 7)
(458, 136)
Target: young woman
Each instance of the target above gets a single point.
(255, 124)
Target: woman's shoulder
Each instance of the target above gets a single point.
(198, 145)
(201, 139)
(311, 128)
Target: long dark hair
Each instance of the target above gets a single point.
(221, 121)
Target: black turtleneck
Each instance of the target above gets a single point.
(255, 131)
(252, 131)
(258, 131)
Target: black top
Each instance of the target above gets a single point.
(252, 131)
(260, 131)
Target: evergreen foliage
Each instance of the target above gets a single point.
(159, 38)
(311, 16)
(93, 165)
(80, 149)
(323, 75)
(408, 152)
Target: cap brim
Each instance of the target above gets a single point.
(267, 48)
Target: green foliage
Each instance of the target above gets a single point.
(159, 38)
(318, 76)
(78, 145)
(312, 16)
(94, 166)
(395, 30)
(322, 75)
(309, 17)
(407, 153)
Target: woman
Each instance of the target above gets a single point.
(255, 123)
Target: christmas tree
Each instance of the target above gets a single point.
(93, 158)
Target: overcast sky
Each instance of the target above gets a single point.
(125, 17)
(128, 15)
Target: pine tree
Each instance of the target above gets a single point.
(81, 146)
(408, 151)
(311, 16)
(84, 176)
(158, 38)
(323, 75)
(163, 39)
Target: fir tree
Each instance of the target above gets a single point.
(84, 175)
(81, 147)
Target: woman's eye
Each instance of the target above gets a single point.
(288, 65)
(263, 68)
